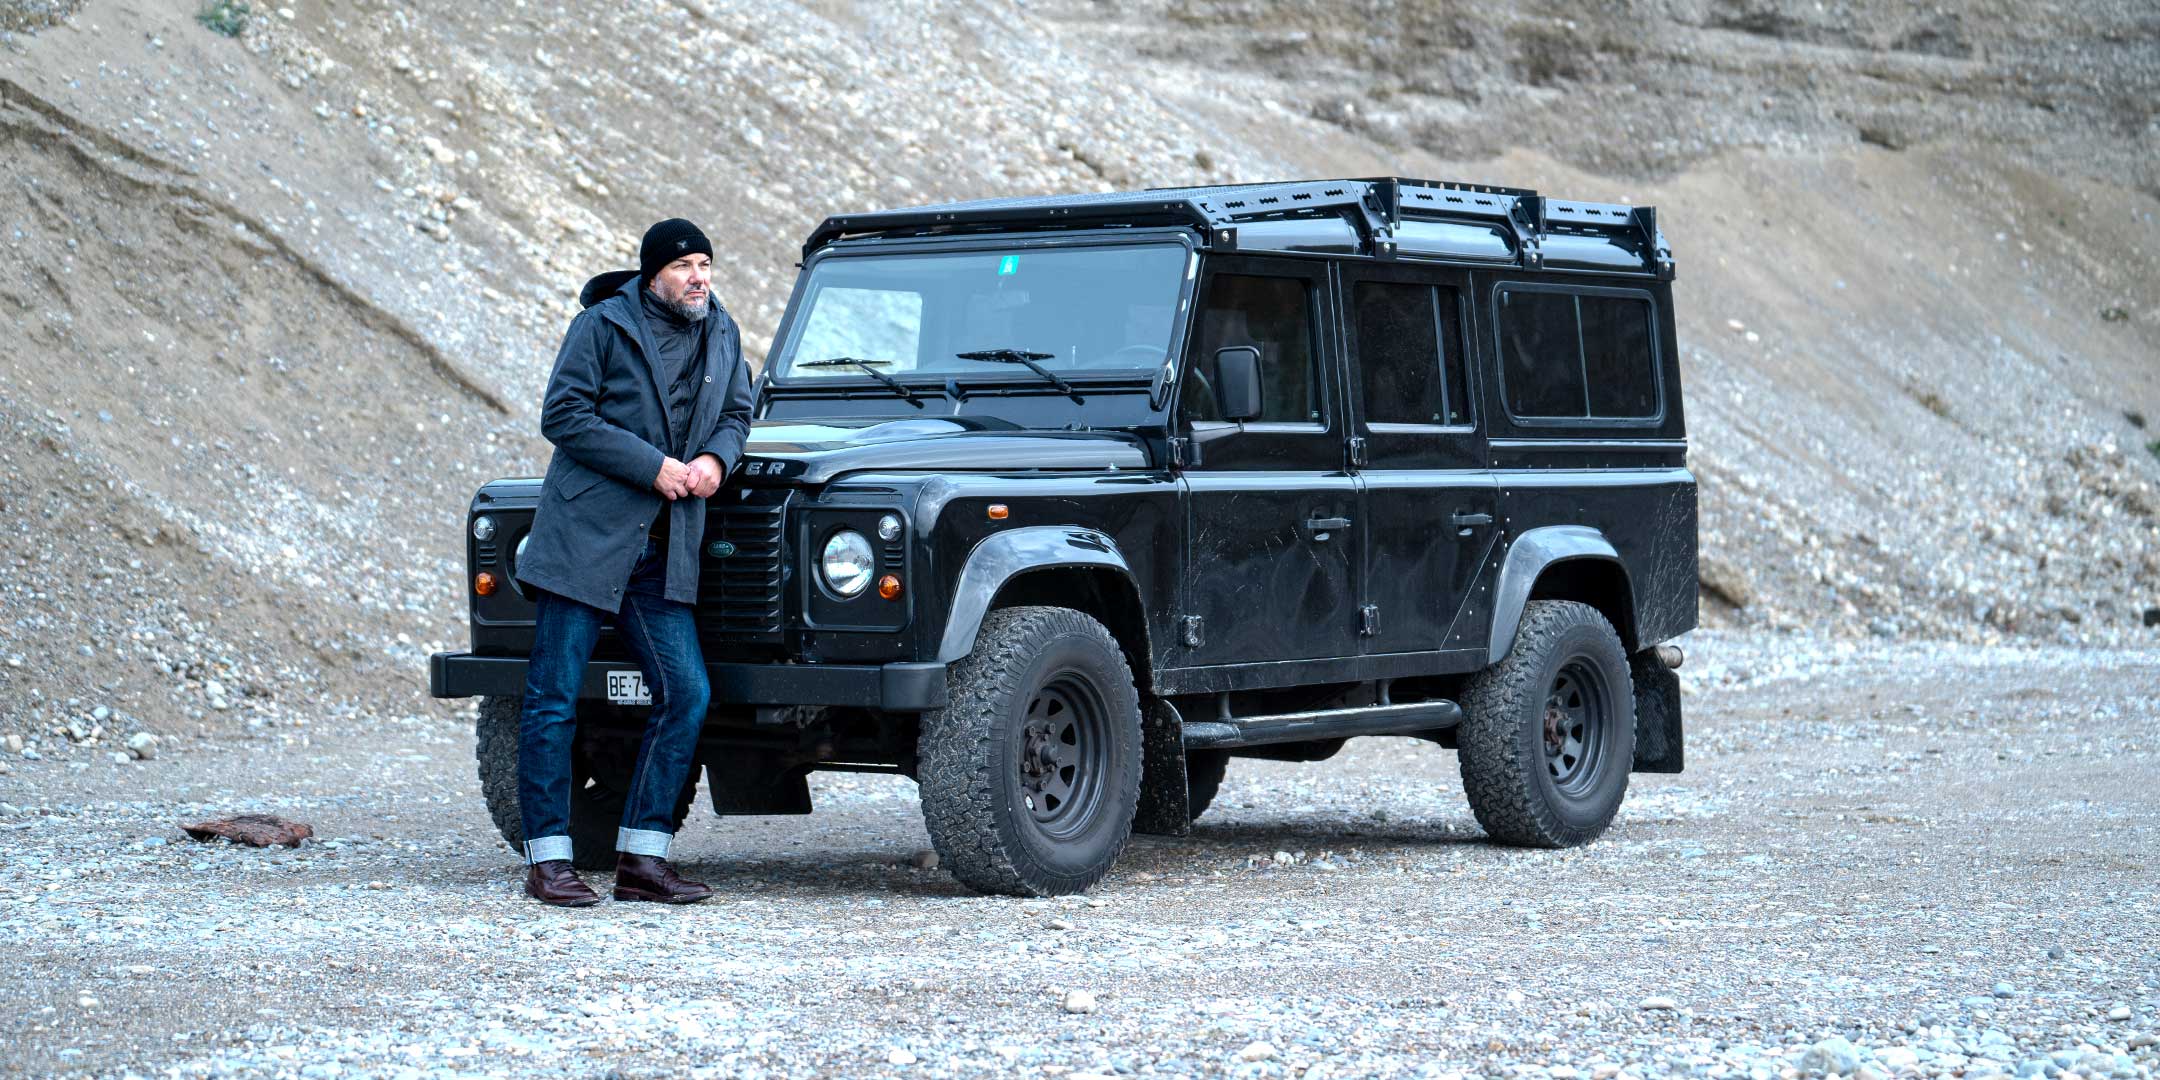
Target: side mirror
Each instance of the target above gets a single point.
(1237, 382)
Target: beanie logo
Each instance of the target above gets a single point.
(681, 244)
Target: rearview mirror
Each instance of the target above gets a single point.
(1237, 382)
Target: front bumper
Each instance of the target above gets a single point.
(891, 687)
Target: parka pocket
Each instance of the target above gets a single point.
(578, 482)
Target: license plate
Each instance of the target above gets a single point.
(628, 688)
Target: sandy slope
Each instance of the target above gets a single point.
(272, 305)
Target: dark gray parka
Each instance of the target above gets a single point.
(606, 413)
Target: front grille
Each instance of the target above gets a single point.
(741, 598)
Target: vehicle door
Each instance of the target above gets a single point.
(1271, 541)
(1427, 496)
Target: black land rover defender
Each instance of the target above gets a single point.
(1058, 504)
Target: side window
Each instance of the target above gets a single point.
(1616, 356)
(1570, 356)
(1409, 355)
(1272, 314)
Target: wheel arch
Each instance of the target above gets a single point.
(1056, 566)
(1562, 562)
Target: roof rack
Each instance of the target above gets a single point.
(1374, 206)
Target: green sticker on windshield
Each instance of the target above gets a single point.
(1008, 265)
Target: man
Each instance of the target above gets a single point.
(647, 408)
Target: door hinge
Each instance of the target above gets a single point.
(1357, 451)
(1369, 620)
(1184, 453)
(1189, 631)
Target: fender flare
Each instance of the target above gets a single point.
(1527, 558)
(1002, 556)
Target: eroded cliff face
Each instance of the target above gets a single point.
(273, 304)
(1649, 88)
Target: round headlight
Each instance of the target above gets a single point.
(483, 528)
(517, 554)
(847, 563)
(888, 528)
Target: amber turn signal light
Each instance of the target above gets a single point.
(484, 583)
(889, 586)
(998, 512)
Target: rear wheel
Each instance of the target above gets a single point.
(1548, 733)
(603, 757)
(1030, 776)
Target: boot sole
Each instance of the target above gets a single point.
(566, 903)
(641, 896)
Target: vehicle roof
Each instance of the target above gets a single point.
(1376, 210)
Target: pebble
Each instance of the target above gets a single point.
(900, 1056)
(1079, 1001)
(1257, 1051)
(1657, 1004)
(2119, 1012)
(143, 745)
(1832, 1055)
(924, 860)
(1897, 1057)
(2003, 990)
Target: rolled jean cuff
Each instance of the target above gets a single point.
(643, 842)
(547, 848)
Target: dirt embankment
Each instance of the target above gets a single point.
(273, 303)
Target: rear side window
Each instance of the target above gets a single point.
(1409, 354)
(1576, 356)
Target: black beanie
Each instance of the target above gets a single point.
(668, 241)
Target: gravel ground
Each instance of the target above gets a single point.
(1884, 859)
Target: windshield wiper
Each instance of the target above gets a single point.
(1017, 356)
(906, 394)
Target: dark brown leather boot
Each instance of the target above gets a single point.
(555, 882)
(643, 877)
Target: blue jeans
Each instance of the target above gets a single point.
(662, 635)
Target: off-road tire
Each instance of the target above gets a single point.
(1507, 769)
(974, 754)
(1204, 770)
(595, 805)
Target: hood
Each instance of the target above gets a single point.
(816, 451)
(601, 286)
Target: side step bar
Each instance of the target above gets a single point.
(1321, 724)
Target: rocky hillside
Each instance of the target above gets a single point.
(281, 284)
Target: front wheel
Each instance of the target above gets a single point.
(1548, 733)
(602, 761)
(1031, 775)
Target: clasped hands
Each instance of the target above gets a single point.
(701, 477)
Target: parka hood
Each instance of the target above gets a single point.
(602, 286)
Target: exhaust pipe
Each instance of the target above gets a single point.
(1670, 656)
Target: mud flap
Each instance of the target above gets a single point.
(1165, 800)
(1658, 743)
(753, 784)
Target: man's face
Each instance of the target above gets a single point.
(685, 284)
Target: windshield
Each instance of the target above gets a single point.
(1083, 310)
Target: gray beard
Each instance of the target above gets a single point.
(687, 312)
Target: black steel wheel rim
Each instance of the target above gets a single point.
(1577, 708)
(1064, 756)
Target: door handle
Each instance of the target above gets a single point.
(1464, 521)
(1321, 527)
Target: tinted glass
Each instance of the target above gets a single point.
(1271, 314)
(1617, 356)
(1091, 309)
(1541, 354)
(1399, 336)
(884, 324)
